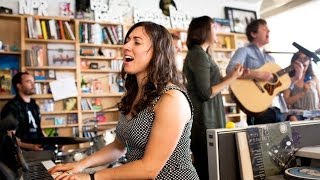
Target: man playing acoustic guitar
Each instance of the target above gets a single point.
(259, 77)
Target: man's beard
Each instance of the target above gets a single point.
(29, 92)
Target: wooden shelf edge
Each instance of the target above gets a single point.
(6, 96)
(59, 112)
(59, 126)
(233, 115)
(50, 41)
(51, 67)
(89, 95)
(101, 45)
(10, 53)
(99, 71)
(107, 110)
(98, 58)
(102, 123)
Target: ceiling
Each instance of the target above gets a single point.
(272, 7)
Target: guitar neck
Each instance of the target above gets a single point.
(285, 70)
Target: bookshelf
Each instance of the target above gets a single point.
(48, 45)
(53, 56)
(95, 67)
(222, 52)
(10, 53)
(100, 60)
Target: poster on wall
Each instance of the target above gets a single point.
(239, 18)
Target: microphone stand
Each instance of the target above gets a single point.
(279, 52)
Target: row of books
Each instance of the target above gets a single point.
(97, 34)
(116, 64)
(91, 104)
(42, 88)
(49, 29)
(35, 56)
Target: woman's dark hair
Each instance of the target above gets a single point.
(199, 31)
(17, 78)
(309, 72)
(253, 28)
(161, 69)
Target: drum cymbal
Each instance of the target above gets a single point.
(56, 140)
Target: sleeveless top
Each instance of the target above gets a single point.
(134, 134)
(310, 101)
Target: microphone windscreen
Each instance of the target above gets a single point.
(8, 123)
(306, 52)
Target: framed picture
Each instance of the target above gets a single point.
(61, 55)
(51, 74)
(239, 18)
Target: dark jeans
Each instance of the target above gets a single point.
(271, 115)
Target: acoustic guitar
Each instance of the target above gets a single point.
(255, 96)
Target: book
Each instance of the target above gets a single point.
(69, 30)
(62, 33)
(222, 25)
(271, 148)
(70, 104)
(44, 29)
(5, 81)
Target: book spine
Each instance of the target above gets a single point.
(110, 33)
(29, 29)
(53, 28)
(61, 30)
(38, 29)
(48, 29)
(69, 30)
(57, 29)
(44, 29)
(115, 34)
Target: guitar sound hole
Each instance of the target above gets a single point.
(274, 79)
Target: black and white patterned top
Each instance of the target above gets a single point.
(134, 134)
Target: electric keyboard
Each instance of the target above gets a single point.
(304, 113)
(39, 170)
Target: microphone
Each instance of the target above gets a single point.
(305, 51)
(8, 123)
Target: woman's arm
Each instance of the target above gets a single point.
(318, 88)
(107, 154)
(290, 99)
(172, 112)
(217, 88)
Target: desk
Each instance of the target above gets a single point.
(312, 152)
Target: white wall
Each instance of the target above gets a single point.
(299, 25)
(213, 8)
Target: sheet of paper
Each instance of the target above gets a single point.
(63, 89)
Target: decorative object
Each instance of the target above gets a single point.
(239, 18)
(179, 19)
(154, 15)
(51, 74)
(165, 6)
(28, 6)
(5, 10)
(65, 9)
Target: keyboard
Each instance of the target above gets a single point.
(38, 170)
